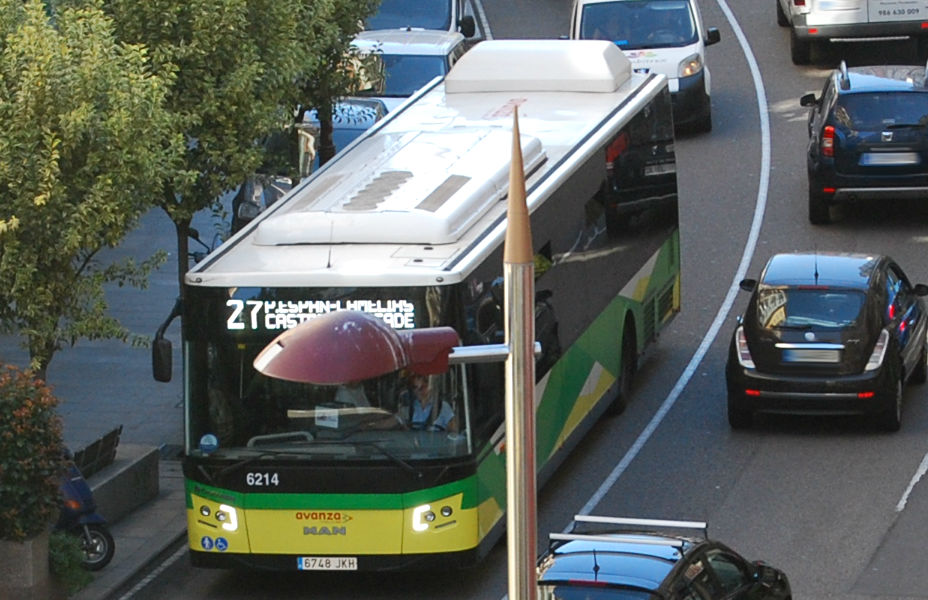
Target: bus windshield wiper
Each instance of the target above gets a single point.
(248, 460)
(399, 461)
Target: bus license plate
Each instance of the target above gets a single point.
(327, 563)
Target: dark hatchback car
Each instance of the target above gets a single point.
(827, 333)
(868, 137)
(605, 558)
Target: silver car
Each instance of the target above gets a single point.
(818, 21)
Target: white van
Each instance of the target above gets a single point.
(820, 21)
(659, 36)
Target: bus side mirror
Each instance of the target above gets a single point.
(161, 352)
(161, 359)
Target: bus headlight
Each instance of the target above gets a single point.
(228, 517)
(420, 519)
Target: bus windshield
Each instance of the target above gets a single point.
(234, 410)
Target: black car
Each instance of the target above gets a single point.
(605, 558)
(867, 137)
(827, 333)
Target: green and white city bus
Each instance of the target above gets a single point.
(407, 224)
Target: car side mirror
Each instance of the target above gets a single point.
(765, 574)
(921, 289)
(712, 36)
(808, 101)
(467, 26)
(748, 285)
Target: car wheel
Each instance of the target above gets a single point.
(920, 374)
(800, 50)
(739, 418)
(819, 211)
(782, 21)
(892, 418)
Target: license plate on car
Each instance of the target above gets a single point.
(811, 355)
(327, 563)
(871, 159)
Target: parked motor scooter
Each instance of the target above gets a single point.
(79, 517)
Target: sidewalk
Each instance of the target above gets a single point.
(142, 537)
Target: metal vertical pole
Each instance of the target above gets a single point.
(519, 296)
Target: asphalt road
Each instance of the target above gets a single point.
(833, 502)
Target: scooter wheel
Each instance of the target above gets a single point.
(98, 546)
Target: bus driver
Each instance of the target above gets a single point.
(419, 411)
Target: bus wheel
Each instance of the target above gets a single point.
(626, 373)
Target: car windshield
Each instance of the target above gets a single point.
(406, 73)
(881, 110)
(805, 308)
(424, 14)
(591, 592)
(634, 24)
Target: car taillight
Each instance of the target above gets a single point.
(741, 349)
(879, 352)
(799, 2)
(828, 141)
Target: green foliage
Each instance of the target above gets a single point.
(31, 461)
(64, 561)
(84, 148)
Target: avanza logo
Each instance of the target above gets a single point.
(321, 515)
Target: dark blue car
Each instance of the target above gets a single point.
(867, 137)
(606, 558)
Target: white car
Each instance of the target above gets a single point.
(819, 21)
(411, 59)
(657, 36)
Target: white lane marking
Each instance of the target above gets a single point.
(482, 17)
(748, 252)
(155, 573)
(922, 469)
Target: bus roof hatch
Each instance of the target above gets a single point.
(540, 66)
(423, 187)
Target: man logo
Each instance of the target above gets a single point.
(325, 531)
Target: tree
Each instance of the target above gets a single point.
(340, 71)
(234, 62)
(84, 146)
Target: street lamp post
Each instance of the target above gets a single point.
(519, 303)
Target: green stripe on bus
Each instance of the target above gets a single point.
(289, 501)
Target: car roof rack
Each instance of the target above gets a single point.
(845, 78)
(628, 522)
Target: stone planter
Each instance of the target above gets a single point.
(24, 569)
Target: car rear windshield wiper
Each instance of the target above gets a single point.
(803, 327)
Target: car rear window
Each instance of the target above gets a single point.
(807, 308)
(881, 110)
(579, 591)
(398, 14)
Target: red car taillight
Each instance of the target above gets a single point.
(828, 141)
(799, 2)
